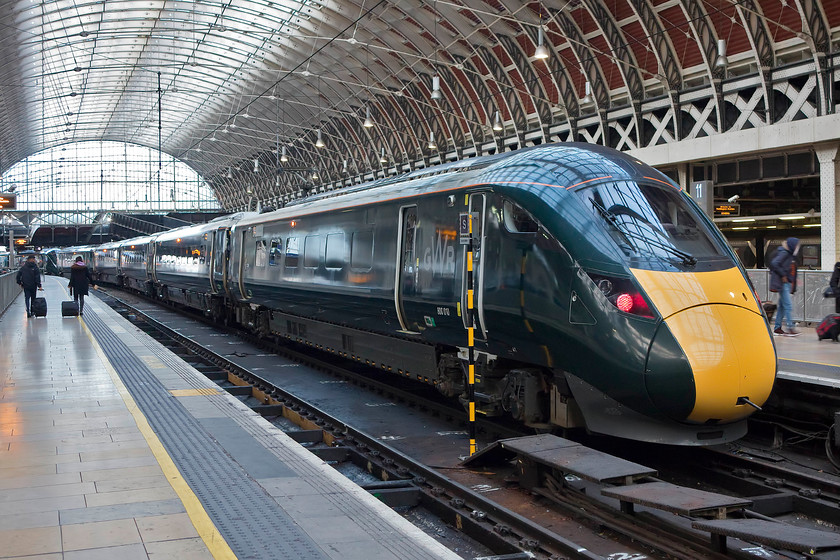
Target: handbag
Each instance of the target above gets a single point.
(830, 292)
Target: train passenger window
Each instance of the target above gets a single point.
(260, 258)
(517, 219)
(312, 251)
(335, 251)
(274, 252)
(292, 252)
(361, 251)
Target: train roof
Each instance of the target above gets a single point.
(568, 166)
(198, 229)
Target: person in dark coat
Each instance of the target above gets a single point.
(80, 281)
(29, 278)
(835, 285)
(783, 281)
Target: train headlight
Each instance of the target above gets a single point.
(623, 294)
(605, 286)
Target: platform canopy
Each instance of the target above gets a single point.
(233, 87)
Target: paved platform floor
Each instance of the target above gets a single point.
(112, 447)
(806, 359)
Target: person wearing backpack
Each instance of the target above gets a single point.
(783, 281)
(29, 278)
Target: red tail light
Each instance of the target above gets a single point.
(623, 294)
(624, 302)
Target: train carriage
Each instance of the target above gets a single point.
(135, 264)
(190, 265)
(106, 263)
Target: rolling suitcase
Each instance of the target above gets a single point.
(39, 307)
(829, 327)
(69, 309)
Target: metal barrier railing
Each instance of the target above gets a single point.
(9, 290)
(809, 305)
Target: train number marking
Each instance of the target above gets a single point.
(626, 556)
(444, 311)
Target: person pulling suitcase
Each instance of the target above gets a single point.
(80, 281)
(29, 278)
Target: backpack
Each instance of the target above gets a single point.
(829, 327)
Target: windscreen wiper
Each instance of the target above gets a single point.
(613, 221)
(687, 258)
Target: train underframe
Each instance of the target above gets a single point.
(528, 394)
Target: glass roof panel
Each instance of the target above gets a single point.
(106, 176)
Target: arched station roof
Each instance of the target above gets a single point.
(222, 83)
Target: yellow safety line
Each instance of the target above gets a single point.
(205, 527)
(809, 362)
(207, 391)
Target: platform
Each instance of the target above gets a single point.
(112, 447)
(805, 359)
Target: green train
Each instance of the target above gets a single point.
(603, 297)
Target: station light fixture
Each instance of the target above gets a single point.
(368, 121)
(721, 61)
(541, 52)
(283, 156)
(587, 98)
(432, 145)
(319, 143)
(256, 165)
(436, 94)
(497, 122)
(382, 158)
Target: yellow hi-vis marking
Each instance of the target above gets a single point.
(208, 532)
(469, 299)
(472, 447)
(472, 374)
(469, 261)
(470, 336)
(472, 412)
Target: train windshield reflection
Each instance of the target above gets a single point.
(653, 225)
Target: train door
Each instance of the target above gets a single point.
(406, 278)
(477, 207)
(218, 261)
(150, 261)
(241, 284)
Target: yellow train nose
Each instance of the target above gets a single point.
(715, 325)
(731, 357)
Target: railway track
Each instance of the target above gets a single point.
(533, 519)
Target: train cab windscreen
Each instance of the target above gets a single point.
(654, 227)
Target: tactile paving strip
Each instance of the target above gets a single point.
(379, 527)
(253, 525)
